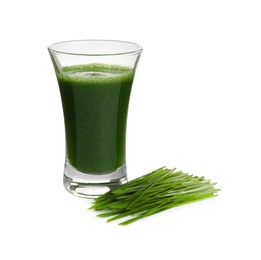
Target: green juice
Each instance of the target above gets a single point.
(95, 101)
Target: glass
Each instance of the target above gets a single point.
(95, 80)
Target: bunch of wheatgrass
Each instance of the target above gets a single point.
(152, 193)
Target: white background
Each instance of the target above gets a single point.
(195, 105)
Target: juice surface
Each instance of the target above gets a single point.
(95, 101)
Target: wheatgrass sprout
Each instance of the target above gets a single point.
(152, 193)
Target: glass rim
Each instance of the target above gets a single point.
(136, 48)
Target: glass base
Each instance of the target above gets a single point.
(91, 185)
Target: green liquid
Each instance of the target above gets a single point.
(95, 101)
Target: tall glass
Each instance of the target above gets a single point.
(95, 80)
